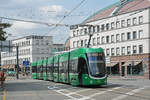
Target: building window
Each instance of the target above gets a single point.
(112, 38)
(128, 36)
(85, 42)
(102, 40)
(122, 36)
(107, 39)
(123, 23)
(81, 32)
(37, 42)
(107, 26)
(128, 50)
(102, 27)
(89, 30)
(94, 41)
(74, 33)
(78, 43)
(77, 32)
(112, 25)
(81, 43)
(117, 37)
(74, 44)
(98, 40)
(98, 28)
(112, 51)
(85, 31)
(140, 33)
(134, 21)
(128, 22)
(118, 51)
(94, 29)
(107, 52)
(134, 49)
(123, 51)
(134, 35)
(117, 24)
(140, 48)
(140, 19)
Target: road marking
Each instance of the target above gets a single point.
(128, 94)
(78, 91)
(99, 93)
(90, 97)
(82, 97)
(4, 94)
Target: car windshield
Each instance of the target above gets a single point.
(96, 64)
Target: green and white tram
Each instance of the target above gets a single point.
(40, 69)
(34, 70)
(45, 69)
(82, 66)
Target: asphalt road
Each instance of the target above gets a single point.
(28, 89)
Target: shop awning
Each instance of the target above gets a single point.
(111, 64)
(137, 62)
(128, 63)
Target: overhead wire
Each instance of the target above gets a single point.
(35, 22)
(77, 6)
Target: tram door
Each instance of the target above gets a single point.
(123, 71)
(82, 69)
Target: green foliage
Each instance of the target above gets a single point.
(2, 32)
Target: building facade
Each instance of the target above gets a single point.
(5, 46)
(31, 48)
(58, 47)
(123, 31)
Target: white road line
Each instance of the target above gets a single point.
(78, 91)
(99, 93)
(105, 91)
(128, 93)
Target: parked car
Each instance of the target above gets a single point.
(11, 73)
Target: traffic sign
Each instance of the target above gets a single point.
(26, 63)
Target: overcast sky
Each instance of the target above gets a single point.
(50, 11)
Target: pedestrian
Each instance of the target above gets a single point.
(2, 77)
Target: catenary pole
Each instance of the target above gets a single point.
(17, 59)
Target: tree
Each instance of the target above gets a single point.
(2, 32)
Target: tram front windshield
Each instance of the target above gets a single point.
(96, 64)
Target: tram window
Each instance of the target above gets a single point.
(50, 67)
(55, 67)
(41, 68)
(73, 66)
(34, 69)
(38, 68)
(63, 67)
(82, 66)
(44, 68)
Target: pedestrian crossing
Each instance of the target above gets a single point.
(108, 93)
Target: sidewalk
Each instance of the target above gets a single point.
(129, 81)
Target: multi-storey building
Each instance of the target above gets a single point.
(31, 48)
(5, 46)
(58, 47)
(123, 31)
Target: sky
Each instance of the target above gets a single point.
(49, 11)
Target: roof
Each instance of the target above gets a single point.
(118, 8)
